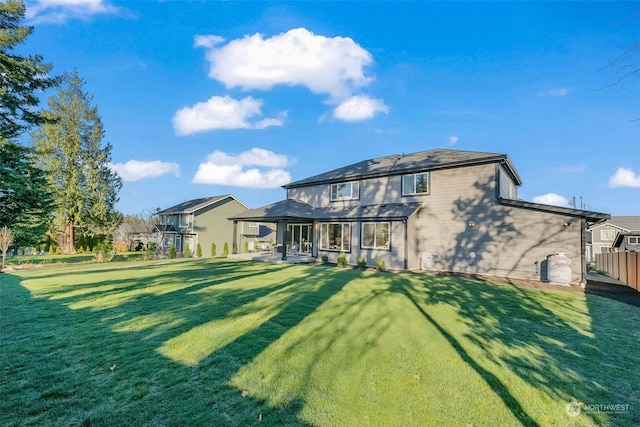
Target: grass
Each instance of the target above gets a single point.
(228, 342)
(21, 260)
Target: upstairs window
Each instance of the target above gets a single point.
(415, 184)
(345, 191)
(634, 240)
(607, 235)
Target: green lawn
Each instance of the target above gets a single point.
(224, 342)
(22, 260)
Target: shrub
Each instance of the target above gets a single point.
(324, 259)
(198, 251)
(80, 250)
(225, 250)
(52, 249)
(362, 263)
(172, 251)
(246, 247)
(58, 251)
(187, 250)
(213, 249)
(342, 260)
(150, 253)
(380, 265)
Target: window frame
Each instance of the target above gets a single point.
(414, 192)
(324, 233)
(636, 238)
(611, 233)
(375, 235)
(351, 196)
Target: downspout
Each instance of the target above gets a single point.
(583, 258)
(405, 221)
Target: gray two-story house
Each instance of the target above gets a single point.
(437, 210)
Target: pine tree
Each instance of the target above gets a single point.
(25, 203)
(75, 161)
(21, 77)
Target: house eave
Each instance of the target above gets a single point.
(409, 170)
(589, 216)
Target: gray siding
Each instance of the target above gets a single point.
(212, 226)
(504, 241)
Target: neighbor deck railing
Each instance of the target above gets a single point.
(624, 266)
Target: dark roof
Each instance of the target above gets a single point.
(383, 211)
(408, 163)
(194, 205)
(294, 210)
(164, 228)
(628, 223)
(288, 209)
(575, 213)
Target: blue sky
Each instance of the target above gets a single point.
(206, 98)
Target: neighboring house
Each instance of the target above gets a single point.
(620, 233)
(201, 221)
(437, 210)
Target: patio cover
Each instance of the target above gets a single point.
(293, 210)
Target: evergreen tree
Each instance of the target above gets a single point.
(187, 250)
(21, 77)
(75, 161)
(25, 203)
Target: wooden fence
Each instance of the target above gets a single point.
(624, 266)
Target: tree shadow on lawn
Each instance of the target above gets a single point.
(554, 342)
(58, 359)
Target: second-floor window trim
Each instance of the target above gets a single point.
(345, 191)
(607, 235)
(417, 183)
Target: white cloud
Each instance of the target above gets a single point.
(359, 107)
(222, 113)
(221, 168)
(135, 170)
(452, 140)
(552, 199)
(325, 65)
(553, 92)
(624, 178)
(59, 11)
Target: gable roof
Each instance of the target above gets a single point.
(626, 223)
(407, 163)
(191, 206)
(622, 223)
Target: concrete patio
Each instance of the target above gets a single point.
(275, 258)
